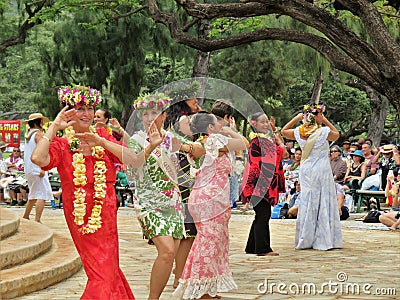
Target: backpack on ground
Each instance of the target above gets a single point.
(280, 211)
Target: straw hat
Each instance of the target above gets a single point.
(387, 149)
(3, 145)
(36, 116)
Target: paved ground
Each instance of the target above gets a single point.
(367, 266)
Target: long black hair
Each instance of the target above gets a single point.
(174, 112)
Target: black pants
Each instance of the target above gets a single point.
(259, 238)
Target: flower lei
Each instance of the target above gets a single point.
(158, 101)
(201, 138)
(253, 135)
(309, 125)
(80, 180)
(78, 95)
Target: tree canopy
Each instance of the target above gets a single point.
(359, 38)
(372, 55)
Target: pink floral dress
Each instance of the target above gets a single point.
(207, 267)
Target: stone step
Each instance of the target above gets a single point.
(9, 222)
(28, 242)
(58, 264)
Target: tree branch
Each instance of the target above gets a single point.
(25, 27)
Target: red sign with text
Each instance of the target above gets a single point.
(10, 132)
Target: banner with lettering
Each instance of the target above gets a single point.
(10, 132)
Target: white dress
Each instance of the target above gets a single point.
(318, 221)
(39, 187)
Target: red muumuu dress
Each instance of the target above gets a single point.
(99, 251)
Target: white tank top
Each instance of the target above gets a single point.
(30, 167)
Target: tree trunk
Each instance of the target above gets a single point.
(380, 110)
(202, 59)
(316, 94)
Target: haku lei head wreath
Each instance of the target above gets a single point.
(78, 95)
(309, 125)
(158, 101)
(309, 111)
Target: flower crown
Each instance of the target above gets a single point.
(78, 95)
(158, 101)
(309, 111)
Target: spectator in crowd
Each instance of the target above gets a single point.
(372, 167)
(15, 164)
(374, 150)
(391, 219)
(292, 173)
(356, 171)
(386, 161)
(343, 209)
(356, 145)
(294, 200)
(3, 168)
(286, 161)
(38, 181)
(346, 148)
(338, 165)
(289, 145)
(360, 142)
(352, 149)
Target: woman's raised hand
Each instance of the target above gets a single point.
(155, 136)
(65, 118)
(89, 139)
(100, 125)
(299, 117)
(114, 123)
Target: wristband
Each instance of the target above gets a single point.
(146, 155)
(46, 138)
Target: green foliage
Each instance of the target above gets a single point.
(344, 104)
(22, 74)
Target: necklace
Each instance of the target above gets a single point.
(308, 129)
(253, 135)
(201, 138)
(352, 170)
(80, 181)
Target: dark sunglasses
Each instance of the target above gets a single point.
(334, 151)
(16, 150)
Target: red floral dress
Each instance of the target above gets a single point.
(99, 251)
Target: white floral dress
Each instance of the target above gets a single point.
(158, 202)
(318, 221)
